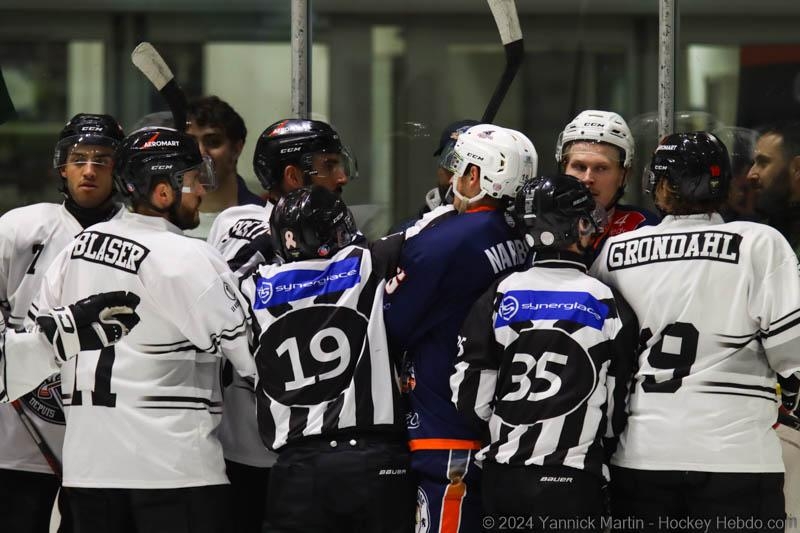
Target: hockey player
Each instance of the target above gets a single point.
(718, 306)
(140, 453)
(289, 154)
(545, 359)
(328, 400)
(30, 238)
(597, 147)
(220, 132)
(444, 267)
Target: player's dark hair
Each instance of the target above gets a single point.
(789, 131)
(216, 113)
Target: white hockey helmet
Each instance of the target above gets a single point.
(506, 159)
(598, 126)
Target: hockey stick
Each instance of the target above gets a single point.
(505, 16)
(47, 452)
(152, 65)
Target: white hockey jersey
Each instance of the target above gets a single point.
(232, 233)
(719, 313)
(30, 239)
(142, 413)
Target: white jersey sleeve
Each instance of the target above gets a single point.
(25, 362)
(233, 234)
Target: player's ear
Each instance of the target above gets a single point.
(794, 170)
(162, 195)
(292, 178)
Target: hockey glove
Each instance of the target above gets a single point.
(89, 324)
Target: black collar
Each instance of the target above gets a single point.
(559, 259)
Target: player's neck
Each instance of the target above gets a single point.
(224, 196)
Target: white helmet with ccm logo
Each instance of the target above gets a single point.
(598, 126)
(506, 159)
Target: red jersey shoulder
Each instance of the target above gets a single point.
(626, 219)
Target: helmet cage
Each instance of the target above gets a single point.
(556, 213)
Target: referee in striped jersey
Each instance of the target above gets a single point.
(545, 358)
(327, 395)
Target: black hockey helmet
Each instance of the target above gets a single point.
(151, 155)
(86, 128)
(696, 166)
(294, 141)
(555, 211)
(311, 223)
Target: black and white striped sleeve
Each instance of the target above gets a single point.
(619, 380)
(474, 379)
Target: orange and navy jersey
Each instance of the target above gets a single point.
(624, 219)
(443, 269)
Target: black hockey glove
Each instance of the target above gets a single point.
(89, 324)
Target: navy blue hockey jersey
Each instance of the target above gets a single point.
(442, 270)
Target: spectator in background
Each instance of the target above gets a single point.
(775, 179)
(220, 132)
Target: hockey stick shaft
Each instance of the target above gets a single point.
(507, 20)
(147, 59)
(37, 437)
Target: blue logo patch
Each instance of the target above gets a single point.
(580, 307)
(294, 285)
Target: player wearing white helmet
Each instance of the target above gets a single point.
(447, 262)
(597, 147)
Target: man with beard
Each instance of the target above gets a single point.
(140, 450)
(775, 178)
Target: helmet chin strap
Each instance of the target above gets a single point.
(464, 202)
(619, 194)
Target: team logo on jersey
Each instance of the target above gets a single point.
(508, 308)
(412, 420)
(700, 245)
(264, 291)
(45, 402)
(290, 285)
(423, 515)
(580, 307)
(109, 250)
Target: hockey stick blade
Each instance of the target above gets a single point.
(505, 16)
(147, 59)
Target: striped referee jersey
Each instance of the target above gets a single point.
(545, 358)
(323, 362)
